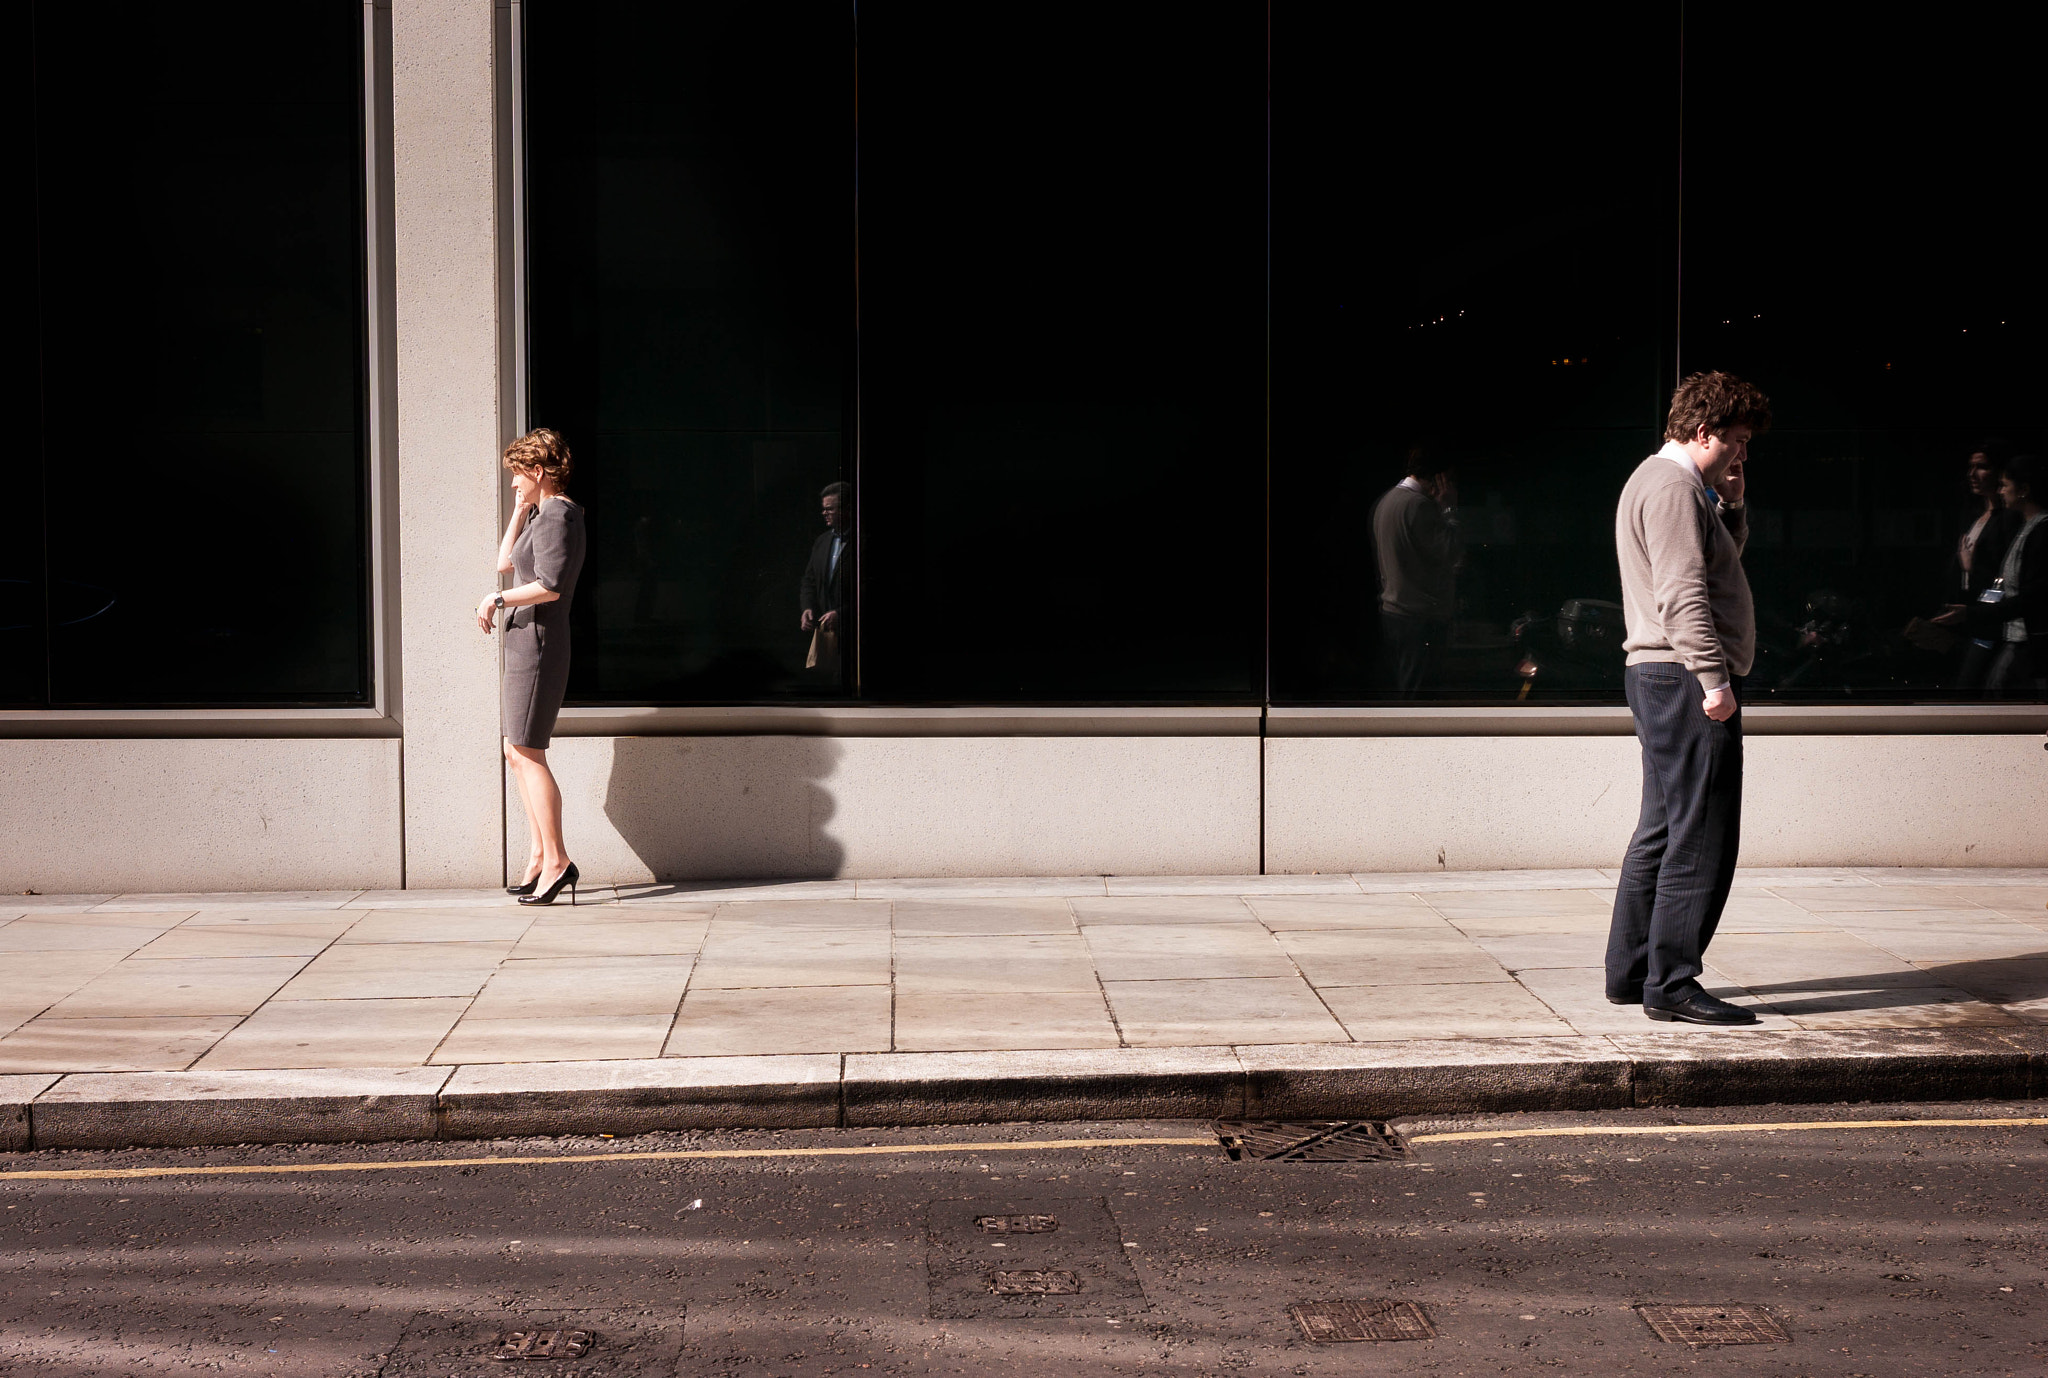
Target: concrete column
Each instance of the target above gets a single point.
(444, 204)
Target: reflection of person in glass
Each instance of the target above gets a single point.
(824, 583)
(1679, 531)
(1980, 554)
(543, 549)
(1416, 540)
(2013, 610)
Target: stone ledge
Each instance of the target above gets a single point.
(195, 1109)
(1705, 1067)
(793, 1091)
(1055, 1084)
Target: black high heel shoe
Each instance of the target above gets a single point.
(569, 877)
(527, 888)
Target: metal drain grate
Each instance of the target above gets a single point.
(1016, 1224)
(1035, 1282)
(543, 1344)
(1714, 1325)
(1309, 1141)
(1329, 1322)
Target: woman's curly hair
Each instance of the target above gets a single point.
(544, 450)
(1718, 401)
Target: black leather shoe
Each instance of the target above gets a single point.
(1700, 1008)
(1635, 998)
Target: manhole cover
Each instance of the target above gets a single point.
(1034, 1282)
(1015, 1224)
(1308, 1141)
(1714, 1325)
(544, 1344)
(1327, 1322)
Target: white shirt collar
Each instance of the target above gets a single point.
(1677, 453)
(1411, 485)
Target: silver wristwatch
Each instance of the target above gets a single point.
(498, 600)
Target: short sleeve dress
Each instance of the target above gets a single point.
(549, 550)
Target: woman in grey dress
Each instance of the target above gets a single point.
(543, 550)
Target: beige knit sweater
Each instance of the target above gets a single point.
(1683, 592)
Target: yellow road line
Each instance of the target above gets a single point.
(876, 1150)
(1574, 1131)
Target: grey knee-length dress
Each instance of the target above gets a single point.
(550, 550)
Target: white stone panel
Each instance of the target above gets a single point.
(674, 808)
(1489, 803)
(199, 814)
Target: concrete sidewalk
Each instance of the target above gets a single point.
(219, 1018)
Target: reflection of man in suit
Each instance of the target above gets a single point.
(824, 583)
(1416, 539)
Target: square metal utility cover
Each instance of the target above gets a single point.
(1327, 1322)
(1016, 1224)
(1309, 1141)
(1080, 1268)
(592, 1344)
(1714, 1325)
(1034, 1282)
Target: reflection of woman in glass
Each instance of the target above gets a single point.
(543, 547)
(2013, 611)
(1981, 552)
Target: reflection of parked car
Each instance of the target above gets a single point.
(1828, 651)
(1578, 650)
(70, 603)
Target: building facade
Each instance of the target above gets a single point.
(1104, 332)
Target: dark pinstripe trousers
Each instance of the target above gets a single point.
(1674, 882)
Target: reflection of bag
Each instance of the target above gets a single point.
(824, 646)
(1929, 636)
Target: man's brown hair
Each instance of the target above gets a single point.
(1718, 401)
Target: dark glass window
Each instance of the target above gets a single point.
(1473, 250)
(197, 293)
(691, 213)
(1062, 352)
(1857, 243)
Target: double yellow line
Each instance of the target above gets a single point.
(1000, 1146)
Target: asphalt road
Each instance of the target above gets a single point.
(1879, 1251)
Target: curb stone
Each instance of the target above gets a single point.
(1304, 1081)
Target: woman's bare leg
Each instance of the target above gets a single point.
(543, 801)
(535, 852)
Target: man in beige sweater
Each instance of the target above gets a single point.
(1679, 531)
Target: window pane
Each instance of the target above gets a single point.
(1473, 228)
(23, 682)
(201, 283)
(1855, 245)
(1062, 351)
(691, 211)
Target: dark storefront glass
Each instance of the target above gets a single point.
(1473, 256)
(1062, 352)
(691, 212)
(199, 290)
(1857, 243)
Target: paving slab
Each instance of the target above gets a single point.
(579, 1038)
(1064, 1084)
(16, 1091)
(1279, 912)
(642, 1096)
(433, 899)
(971, 917)
(444, 925)
(36, 933)
(801, 1019)
(390, 971)
(1230, 1010)
(941, 1022)
(134, 1044)
(1173, 952)
(252, 899)
(1336, 883)
(1878, 898)
(1884, 1007)
(264, 940)
(1430, 882)
(738, 958)
(570, 987)
(180, 986)
(1377, 1080)
(1397, 957)
(987, 965)
(187, 1109)
(337, 1033)
(1481, 1009)
(1166, 909)
(56, 904)
(628, 938)
(967, 888)
(696, 891)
